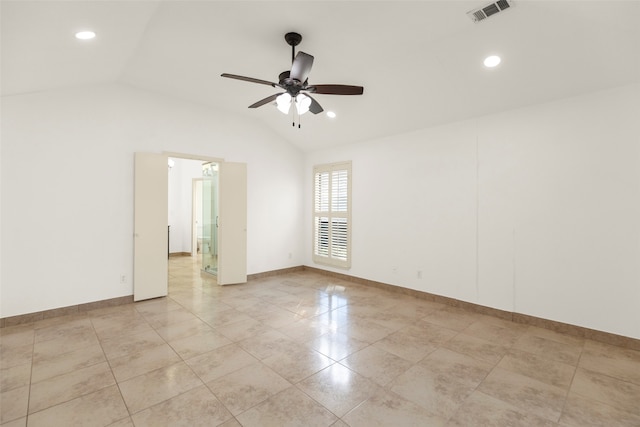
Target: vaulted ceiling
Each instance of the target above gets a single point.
(419, 61)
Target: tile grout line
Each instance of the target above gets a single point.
(302, 295)
(234, 343)
(33, 351)
(566, 397)
(111, 368)
(66, 373)
(112, 373)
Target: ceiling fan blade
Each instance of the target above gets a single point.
(267, 100)
(336, 89)
(315, 108)
(301, 66)
(248, 79)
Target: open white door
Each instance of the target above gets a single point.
(232, 224)
(150, 277)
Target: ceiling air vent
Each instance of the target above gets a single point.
(484, 12)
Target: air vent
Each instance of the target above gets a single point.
(484, 12)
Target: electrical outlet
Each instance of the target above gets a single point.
(419, 274)
(290, 255)
(123, 279)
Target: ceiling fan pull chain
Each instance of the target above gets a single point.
(293, 113)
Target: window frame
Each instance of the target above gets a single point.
(329, 259)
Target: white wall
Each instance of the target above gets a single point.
(67, 188)
(535, 210)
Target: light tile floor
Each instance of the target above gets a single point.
(303, 349)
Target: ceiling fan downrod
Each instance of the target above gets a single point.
(293, 40)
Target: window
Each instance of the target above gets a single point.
(332, 214)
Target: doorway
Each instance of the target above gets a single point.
(213, 225)
(228, 228)
(193, 211)
(210, 218)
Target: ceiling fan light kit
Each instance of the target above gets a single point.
(283, 102)
(296, 85)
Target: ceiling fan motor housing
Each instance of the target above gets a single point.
(293, 39)
(282, 78)
(292, 86)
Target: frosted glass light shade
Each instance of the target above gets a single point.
(303, 102)
(284, 103)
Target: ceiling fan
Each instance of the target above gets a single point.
(295, 84)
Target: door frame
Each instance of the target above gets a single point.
(234, 277)
(194, 207)
(199, 158)
(193, 157)
(140, 292)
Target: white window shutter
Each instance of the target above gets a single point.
(332, 214)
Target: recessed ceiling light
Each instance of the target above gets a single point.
(331, 114)
(491, 61)
(85, 35)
